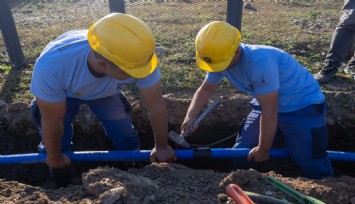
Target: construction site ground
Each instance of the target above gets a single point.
(185, 181)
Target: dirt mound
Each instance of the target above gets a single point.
(174, 183)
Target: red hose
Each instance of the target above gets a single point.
(237, 194)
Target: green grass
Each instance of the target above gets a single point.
(302, 28)
(5, 69)
(15, 84)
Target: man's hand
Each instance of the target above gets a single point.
(187, 125)
(162, 154)
(258, 155)
(58, 162)
(52, 130)
(268, 126)
(60, 169)
(199, 100)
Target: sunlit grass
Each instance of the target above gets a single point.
(15, 84)
(302, 28)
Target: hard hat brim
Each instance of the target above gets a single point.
(141, 72)
(217, 67)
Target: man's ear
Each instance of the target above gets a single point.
(102, 65)
(238, 52)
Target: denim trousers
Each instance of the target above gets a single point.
(304, 133)
(343, 36)
(113, 112)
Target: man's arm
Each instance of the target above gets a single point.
(199, 100)
(52, 115)
(158, 115)
(268, 126)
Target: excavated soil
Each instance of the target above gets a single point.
(190, 181)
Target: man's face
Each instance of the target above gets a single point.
(100, 67)
(116, 73)
(235, 58)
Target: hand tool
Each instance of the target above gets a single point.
(179, 140)
(302, 199)
(199, 118)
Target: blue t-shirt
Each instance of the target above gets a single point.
(62, 71)
(265, 69)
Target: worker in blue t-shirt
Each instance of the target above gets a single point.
(91, 67)
(288, 102)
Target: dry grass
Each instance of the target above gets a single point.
(302, 28)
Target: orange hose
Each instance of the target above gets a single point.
(237, 194)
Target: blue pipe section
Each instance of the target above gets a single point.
(139, 155)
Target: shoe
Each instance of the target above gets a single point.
(350, 69)
(324, 75)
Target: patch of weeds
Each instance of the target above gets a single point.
(225, 84)
(180, 49)
(311, 66)
(73, 1)
(15, 84)
(314, 14)
(5, 68)
(246, 36)
(40, 6)
(180, 75)
(299, 4)
(33, 53)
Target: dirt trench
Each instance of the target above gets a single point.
(18, 135)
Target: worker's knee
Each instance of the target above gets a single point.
(318, 168)
(319, 165)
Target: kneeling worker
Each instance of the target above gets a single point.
(288, 102)
(91, 67)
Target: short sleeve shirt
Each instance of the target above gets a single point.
(62, 71)
(264, 69)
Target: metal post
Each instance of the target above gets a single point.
(117, 6)
(234, 13)
(9, 32)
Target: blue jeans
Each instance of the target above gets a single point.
(113, 113)
(304, 132)
(343, 36)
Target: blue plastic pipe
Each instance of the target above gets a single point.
(139, 155)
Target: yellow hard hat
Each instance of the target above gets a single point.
(215, 46)
(126, 41)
